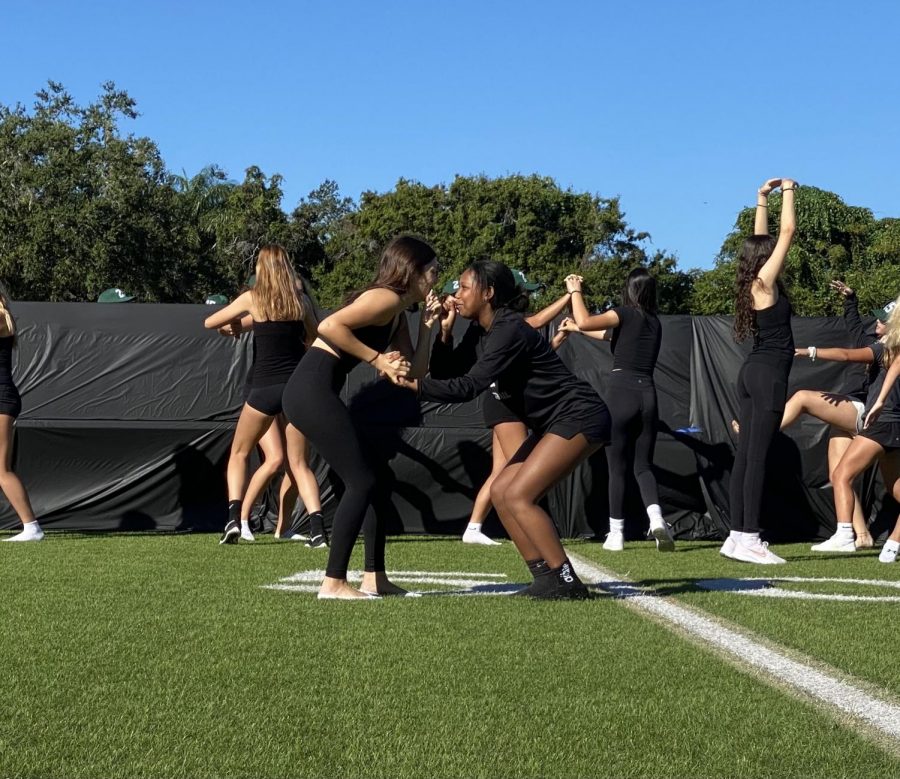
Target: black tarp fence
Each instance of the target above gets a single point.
(128, 414)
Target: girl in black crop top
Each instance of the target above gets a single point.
(568, 419)
(636, 335)
(367, 329)
(763, 311)
(281, 326)
(10, 407)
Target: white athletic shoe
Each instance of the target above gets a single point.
(477, 537)
(839, 542)
(728, 548)
(291, 535)
(615, 541)
(246, 535)
(662, 534)
(27, 535)
(756, 552)
(888, 552)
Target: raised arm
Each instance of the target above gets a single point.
(769, 273)
(582, 318)
(569, 325)
(403, 343)
(548, 314)
(835, 354)
(761, 221)
(233, 311)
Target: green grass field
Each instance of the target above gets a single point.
(167, 656)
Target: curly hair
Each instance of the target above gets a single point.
(892, 336)
(754, 253)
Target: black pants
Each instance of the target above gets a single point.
(631, 400)
(313, 405)
(762, 392)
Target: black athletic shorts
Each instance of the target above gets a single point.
(266, 400)
(886, 434)
(495, 411)
(10, 401)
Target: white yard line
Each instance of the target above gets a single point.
(880, 715)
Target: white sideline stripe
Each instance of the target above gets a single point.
(880, 715)
(426, 577)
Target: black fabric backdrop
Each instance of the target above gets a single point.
(129, 411)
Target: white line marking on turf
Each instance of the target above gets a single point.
(465, 582)
(765, 588)
(880, 715)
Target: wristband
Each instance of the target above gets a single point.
(812, 353)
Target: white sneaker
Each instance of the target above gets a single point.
(660, 531)
(728, 548)
(246, 535)
(839, 542)
(477, 537)
(888, 553)
(27, 535)
(291, 535)
(756, 552)
(615, 541)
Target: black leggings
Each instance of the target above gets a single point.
(762, 392)
(631, 400)
(313, 405)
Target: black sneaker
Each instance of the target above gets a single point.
(564, 591)
(317, 542)
(232, 532)
(542, 582)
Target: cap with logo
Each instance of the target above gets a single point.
(882, 314)
(114, 295)
(521, 281)
(215, 300)
(450, 288)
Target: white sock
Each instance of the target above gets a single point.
(845, 528)
(30, 530)
(750, 538)
(616, 525)
(473, 535)
(474, 527)
(895, 545)
(655, 513)
(245, 525)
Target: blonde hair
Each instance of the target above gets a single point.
(5, 313)
(892, 335)
(276, 294)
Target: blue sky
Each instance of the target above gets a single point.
(680, 108)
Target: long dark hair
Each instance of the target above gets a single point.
(754, 253)
(402, 258)
(640, 291)
(507, 294)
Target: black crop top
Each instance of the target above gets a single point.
(277, 348)
(635, 342)
(774, 339)
(6, 347)
(531, 380)
(377, 337)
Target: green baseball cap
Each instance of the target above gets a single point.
(521, 281)
(114, 295)
(215, 300)
(450, 288)
(882, 314)
(251, 282)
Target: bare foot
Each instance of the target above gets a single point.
(864, 541)
(377, 584)
(338, 589)
(735, 425)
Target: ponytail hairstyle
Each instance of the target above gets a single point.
(755, 252)
(892, 335)
(507, 294)
(402, 259)
(640, 291)
(5, 312)
(276, 294)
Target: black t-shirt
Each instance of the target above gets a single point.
(891, 410)
(635, 342)
(531, 380)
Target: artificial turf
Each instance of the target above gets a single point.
(166, 656)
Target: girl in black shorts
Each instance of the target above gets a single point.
(281, 326)
(567, 418)
(878, 440)
(10, 408)
(508, 432)
(372, 322)
(636, 334)
(762, 310)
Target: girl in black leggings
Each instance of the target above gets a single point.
(372, 322)
(761, 309)
(567, 418)
(636, 335)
